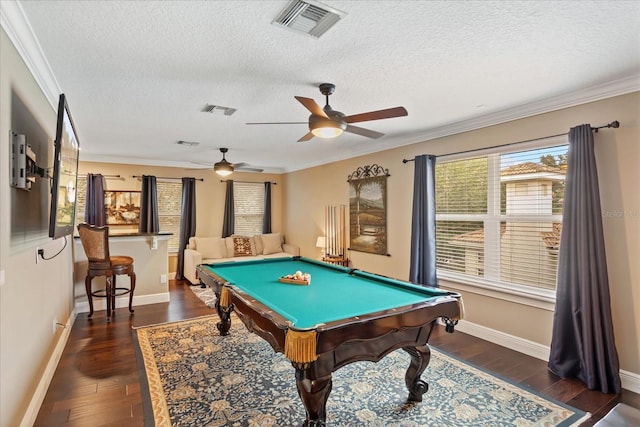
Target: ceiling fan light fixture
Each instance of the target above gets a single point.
(326, 128)
(223, 168)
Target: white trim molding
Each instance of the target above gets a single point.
(19, 30)
(31, 413)
(123, 301)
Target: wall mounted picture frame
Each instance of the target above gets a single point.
(368, 209)
(122, 207)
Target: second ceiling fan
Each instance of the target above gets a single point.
(328, 123)
(225, 168)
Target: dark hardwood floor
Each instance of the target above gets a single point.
(96, 381)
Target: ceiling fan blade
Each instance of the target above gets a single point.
(307, 137)
(203, 166)
(377, 115)
(364, 132)
(312, 106)
(239, 165)
(277, 123)
(245, 169)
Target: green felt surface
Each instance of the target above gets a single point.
(333, 294)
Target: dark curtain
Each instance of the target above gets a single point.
(228, 224)
(149, 222)
(582, 345)
(94, 212)
(187, 221)
(423, 223)
(266, 224)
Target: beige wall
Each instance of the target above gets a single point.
(618, 160)
(33, 294)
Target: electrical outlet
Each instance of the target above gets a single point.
(39, 254)
(163, 278)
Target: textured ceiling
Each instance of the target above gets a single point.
(138, 73)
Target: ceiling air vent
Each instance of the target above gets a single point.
(189, 143)
(309, 17)
(217, 109)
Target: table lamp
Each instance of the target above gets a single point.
(321, 242)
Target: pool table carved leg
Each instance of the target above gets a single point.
(225, 317)
(314, 395)
(420, 357)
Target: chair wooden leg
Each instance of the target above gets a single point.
(132, 276)
(113, 294)
(109, 290)
(87, 285)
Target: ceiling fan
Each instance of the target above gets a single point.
(225, 168)
(329, 123)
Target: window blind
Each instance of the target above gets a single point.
(249, 207)
(169, 211)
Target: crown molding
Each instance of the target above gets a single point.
(19, 30)
(594, 93)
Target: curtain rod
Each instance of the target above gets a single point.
(248, 182)
(167, 177)
(112, 176)
(614, 124)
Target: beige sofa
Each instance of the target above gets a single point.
(205, 250)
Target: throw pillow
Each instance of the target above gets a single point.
(257, 239)
(242, 246)
(210, 247)
(271, 243)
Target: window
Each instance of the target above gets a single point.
(499, 217)
(169, 209)
(248, 207)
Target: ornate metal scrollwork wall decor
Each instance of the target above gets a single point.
(368, 171)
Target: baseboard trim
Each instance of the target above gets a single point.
(630, 381)
(31, 413)
(101, 304)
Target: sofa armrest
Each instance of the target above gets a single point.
(291, 249)
(192, 259)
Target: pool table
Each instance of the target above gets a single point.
(344, 315)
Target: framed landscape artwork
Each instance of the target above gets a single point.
(122, 207)
(368, 209)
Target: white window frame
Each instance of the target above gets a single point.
(490, 285)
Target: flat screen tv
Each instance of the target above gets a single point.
(65, 174)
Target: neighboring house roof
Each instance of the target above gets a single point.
(475, 236)
(551, 239)
(532, 171)
(530, 167)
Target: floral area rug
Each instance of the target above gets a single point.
(191, 376)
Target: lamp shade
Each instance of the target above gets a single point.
(321, 242)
